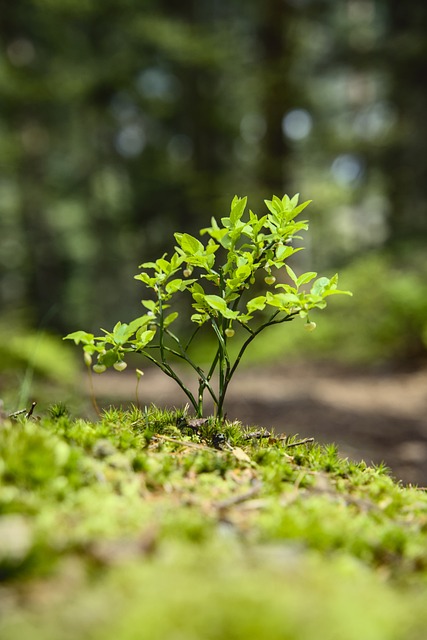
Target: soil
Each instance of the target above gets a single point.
(371, 416)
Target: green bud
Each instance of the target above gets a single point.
(310, 326)
(229, 333)
(269, 280)
(99, 368)
(120, 365)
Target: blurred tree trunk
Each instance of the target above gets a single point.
(405, 159)
(47, 265)
(277, 96)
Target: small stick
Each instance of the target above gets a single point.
(30, 410)
(230, 502)
(257, 435)
(296, 444)
(183, 443)
(15, 414)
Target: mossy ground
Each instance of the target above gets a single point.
(146, 524)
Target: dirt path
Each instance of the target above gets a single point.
(375, 417)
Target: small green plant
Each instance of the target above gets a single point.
(220, 293)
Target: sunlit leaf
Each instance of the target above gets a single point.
(80, 337)
(320, 285)
(291, 274)
(305, 278)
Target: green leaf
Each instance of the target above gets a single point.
(149, 304)
(80, 336)
(291, 274)
(238, 206)
(174, 285)
(255, 304)
(217, 303)
(189, 244)
(286, 287)
(306, 277)
(300, 208)
(243, 272)
(120, 334)
(283, 251)
(197, 288)
(220, 305)
(282, 300)
(331, 292)
(146, 279)
(170, 318)
(320, 285)
(199, 318)
(270, 206)
(226, 241)
(145, 337)
(138, 323)
(108, 358)
(163, 265)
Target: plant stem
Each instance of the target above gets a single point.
(164, 366)
(193, 335)
(92, 392)
(184, 356)
(245, 345)
(223, 365)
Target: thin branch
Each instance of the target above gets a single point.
(193, 335)
(163, 366)
(243, 348)
(213, 365)
(184, 356)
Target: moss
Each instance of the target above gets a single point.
(173, 530)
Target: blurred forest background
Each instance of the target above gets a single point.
(123, 121)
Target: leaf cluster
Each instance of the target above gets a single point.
(218, 276)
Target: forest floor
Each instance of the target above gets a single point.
(372, 416)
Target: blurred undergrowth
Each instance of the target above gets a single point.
(385, 325)
(32, 361)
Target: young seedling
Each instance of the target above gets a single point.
(219, 290)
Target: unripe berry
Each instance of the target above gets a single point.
(187, 272)
(87, 358)
(310, 326)
(269, 280)
(120, 365)
(99, 368)
(229, 333)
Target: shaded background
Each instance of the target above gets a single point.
(124, 121)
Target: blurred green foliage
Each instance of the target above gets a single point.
(122, 122)
(33, 363)
(385, 324)
(22, 347)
